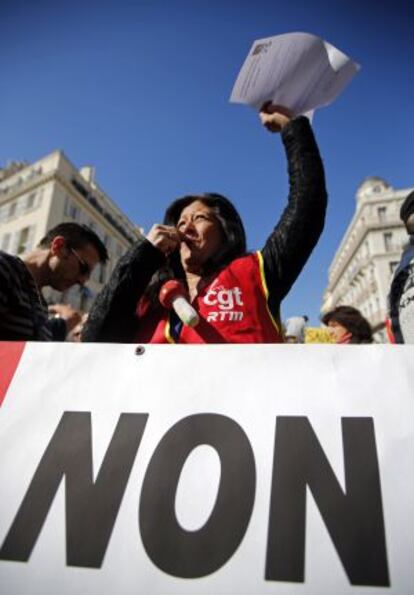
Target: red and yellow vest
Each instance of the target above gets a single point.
(233, 308)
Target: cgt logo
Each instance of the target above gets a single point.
(225, 299)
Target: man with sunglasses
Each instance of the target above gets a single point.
(66, 256)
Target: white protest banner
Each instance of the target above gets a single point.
(206, 469)
(299, 71)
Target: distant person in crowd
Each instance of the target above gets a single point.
(348, 326)
(202, 243)
(295, 329)
(401, 296)
(65, 256)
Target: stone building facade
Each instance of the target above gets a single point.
(361, 271)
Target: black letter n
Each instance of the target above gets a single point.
(91, 508)
(354, 519)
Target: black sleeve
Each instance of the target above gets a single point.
(112, 317)
(6, 296)
(290, 244)
(58, 328)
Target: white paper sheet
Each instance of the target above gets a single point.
(299, 71)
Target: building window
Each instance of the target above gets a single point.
(12, 209)
(21, 205)
(67, 205)
(31, 201)
(39, 197)
(3, 213)
(22, 244)
(382, 211)
(81, 189)
(5, 242)
(388, 241)
(70, 210)
(74, 212)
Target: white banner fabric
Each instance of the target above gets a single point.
(218, 469)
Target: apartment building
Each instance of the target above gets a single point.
(361, 271)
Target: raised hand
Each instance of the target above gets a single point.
(274, 117)
(164, 237)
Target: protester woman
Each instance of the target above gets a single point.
(236, 294)
(347, 325)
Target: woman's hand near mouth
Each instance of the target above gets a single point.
(164, 237)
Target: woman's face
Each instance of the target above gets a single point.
(201, 235)
(337, 331)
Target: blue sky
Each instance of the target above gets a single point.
(140, 90)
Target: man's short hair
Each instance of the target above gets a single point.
(76, 236)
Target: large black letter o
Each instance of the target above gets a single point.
(192, 554)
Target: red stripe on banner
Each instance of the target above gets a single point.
(10, 354)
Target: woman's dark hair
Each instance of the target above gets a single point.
(233, 246)
(353, 321)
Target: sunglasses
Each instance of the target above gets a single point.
(84, 268)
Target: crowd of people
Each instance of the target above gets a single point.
(201, 247)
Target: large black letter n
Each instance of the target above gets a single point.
(91, 507)
(354, 519)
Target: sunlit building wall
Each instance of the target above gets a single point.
(361, 271)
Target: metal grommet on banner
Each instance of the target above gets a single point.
(139, 350)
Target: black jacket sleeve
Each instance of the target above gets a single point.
(58, 328)
(290, 244)
(112, 317)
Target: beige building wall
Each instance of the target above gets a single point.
(36, 197)
(362, 269)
